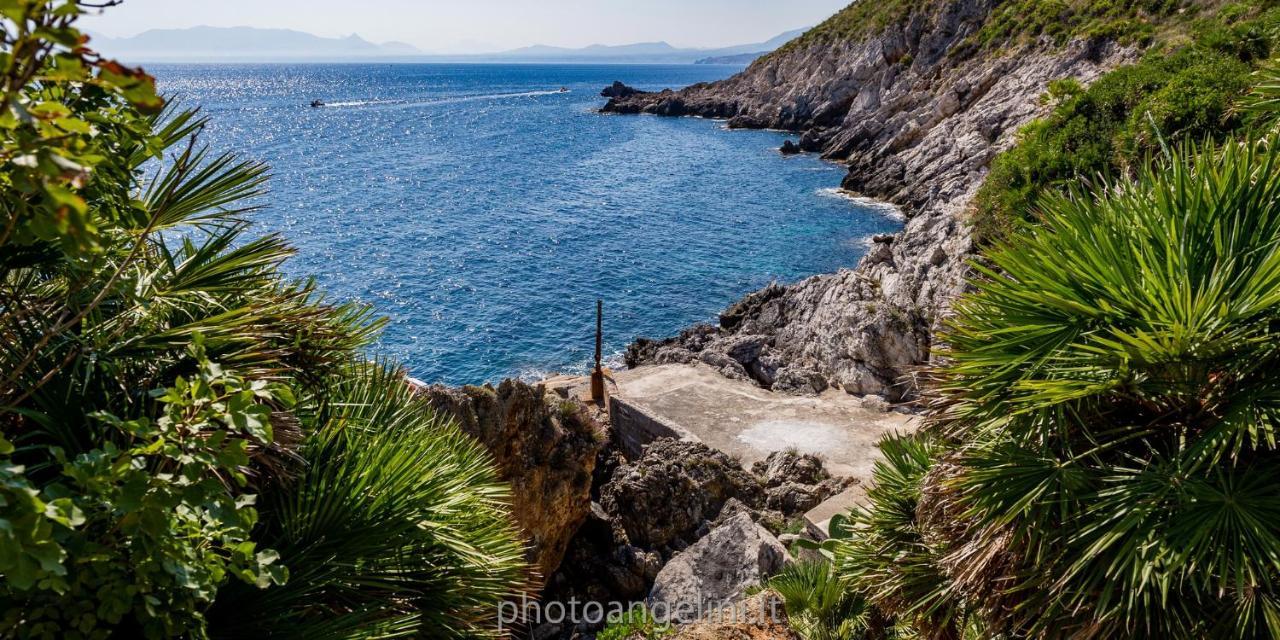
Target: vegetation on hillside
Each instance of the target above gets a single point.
(1100, 456)
(819, 604)
(189, 441)
(886, 553)
(635, 623)
(1016, 22)
(1177, 91)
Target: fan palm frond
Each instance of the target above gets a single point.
(1111, 387)
(398, 522)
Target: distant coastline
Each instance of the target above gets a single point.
(740, 58)
(251, 44)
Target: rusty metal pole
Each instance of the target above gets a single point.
(597, 374)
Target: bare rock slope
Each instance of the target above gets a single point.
(917, 113)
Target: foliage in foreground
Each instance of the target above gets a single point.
(634, 623)
(182, 426)
(818, 603)
(1101, 459)
(889, 555)
(1111, 410)
(397, 523)
(1114, 383)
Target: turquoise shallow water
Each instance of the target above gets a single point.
(483, 212)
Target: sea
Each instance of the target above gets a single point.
(483, 209)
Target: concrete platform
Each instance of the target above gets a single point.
(749, 423)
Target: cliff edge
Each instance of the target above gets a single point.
(916, 105)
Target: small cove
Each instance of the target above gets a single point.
(483, 211)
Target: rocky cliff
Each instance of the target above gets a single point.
(917, 111)
(543, 445)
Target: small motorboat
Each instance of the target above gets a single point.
(563, 90)
(316, 104)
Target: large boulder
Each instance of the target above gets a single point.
(545, 446)
(648, 510)
(716, 571)
(790, 465)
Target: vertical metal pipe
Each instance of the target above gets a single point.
(597, 374)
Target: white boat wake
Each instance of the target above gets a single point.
(449, 100)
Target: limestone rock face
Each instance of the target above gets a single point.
(716, 571)
(664, 497)
(544, 446)
(796, 482)
(917, 117)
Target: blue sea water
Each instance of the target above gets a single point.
(484, 212)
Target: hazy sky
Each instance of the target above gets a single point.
(478, 25)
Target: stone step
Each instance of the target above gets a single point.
(818, 519)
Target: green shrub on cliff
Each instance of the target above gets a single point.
(819, 605)
(396, 523)
(1118, 121)
(887, 558)
(1112, 383)
(636, 623)
(165, 392)
(1013, 23)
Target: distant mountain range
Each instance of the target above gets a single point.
(243, 43)
(253, 44)
(644, 52)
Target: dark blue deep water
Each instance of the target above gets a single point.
(484, 214)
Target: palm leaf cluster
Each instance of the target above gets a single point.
(891, 555)
(150, 345)
(398, 524)
(1100, 459)
(1110, 393)
(819, 604)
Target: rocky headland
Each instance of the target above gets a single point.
(917, 112)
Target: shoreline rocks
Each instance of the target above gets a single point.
(619, 90)
(917, 115)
